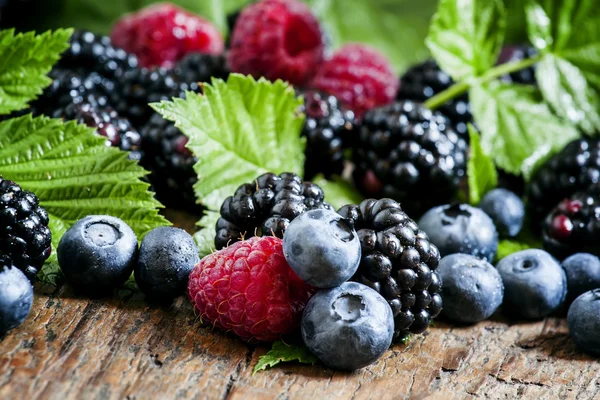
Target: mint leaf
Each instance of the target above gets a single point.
(74, 174)
(481, 171)
(239, 129)
(25, 59)
(338, 192)
(525, 240)
(205, 237)
(465, 36)
(281, 352)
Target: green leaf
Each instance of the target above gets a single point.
(25, 59)
(516, 126)
(282, 352)
(465, 36)
(74, 174)
(338, 192)
(205, 237)
(525, 240)
(481, 171)
(239, 129)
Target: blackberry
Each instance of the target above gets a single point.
(517, 53)
(411, 154)
(398, 261)
(198, 67)
(24, 233)
(265, 207)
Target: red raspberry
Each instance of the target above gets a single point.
(250, 289)
(361, 77)
(162, 34)
(277, 39)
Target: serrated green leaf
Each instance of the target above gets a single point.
(25, 59)
(205, 237)
(282, 352)
(481, 171)
(338, 192)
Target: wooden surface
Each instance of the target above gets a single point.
(123, 348)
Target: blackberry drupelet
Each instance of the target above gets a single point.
(524, 76)
(198, 67)
(411, 154)
(398, 261)
(265, 207)
(24, 233)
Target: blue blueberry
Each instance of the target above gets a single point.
(583, 274)
(97, 254)
(506, 210)
(460, 228)
(348, 327)
(322, 247)
(584, 321)
(534, 283)
(167, 256)
(16, 296)
(472, 288)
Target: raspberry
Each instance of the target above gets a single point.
(277, 39)
(359, 76)
(162, 34)
(249, 288)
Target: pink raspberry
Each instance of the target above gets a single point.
(361, 77)
(162, 34)
(277, 39)
(250, 289)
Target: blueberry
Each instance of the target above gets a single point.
(348, 327)
(460, 228)
(167, 256)
(16, 296)
(584, 321)
(506, 210)
(583, 274)
(322, 247)
(472, 288)
(97, 254)
(534, 283)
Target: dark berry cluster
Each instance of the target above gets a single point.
(525, 76)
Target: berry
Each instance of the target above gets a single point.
(322, 248)
(97, 254)
(198, 67)
(472, 288)
(410, 154)
(460, 228)
(162, 34)
(359, 76)
(16, 296)
(167, 256)
(249, 288)
(398, 262)
(266, 207)
(506, 210)
(276, 39)
(347, 327)
(24, 233)
(534, 283)
(583, 274)
(584, 321)
(524, 76)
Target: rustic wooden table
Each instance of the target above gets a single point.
(123, 348)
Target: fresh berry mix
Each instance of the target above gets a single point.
(249, 289)
(524, 76)
(347, 327)
(398, 262)
(162, 34)
(583, 274)
(472, 288)
(97, 254)
(506, 210)
(410, 154)
(359, 76)
(16, 296)
(24, 234)
(461, 228)
(584, 321)
(535, 285)
(322, 248)
(266, 207)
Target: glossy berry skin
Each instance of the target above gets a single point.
(347, 327)
(506, 209)
(97, 254)
(461, 228)
(166, 258)
(16, 296)
(322, 248)
(534, 283)
(249, 289)
(583, 274)
(584, 321)
(472, 288)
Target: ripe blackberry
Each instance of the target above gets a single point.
(198, 67)
(411, 154)
(517, 53)
(398, 261)
(265, 207)
(24, 233)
